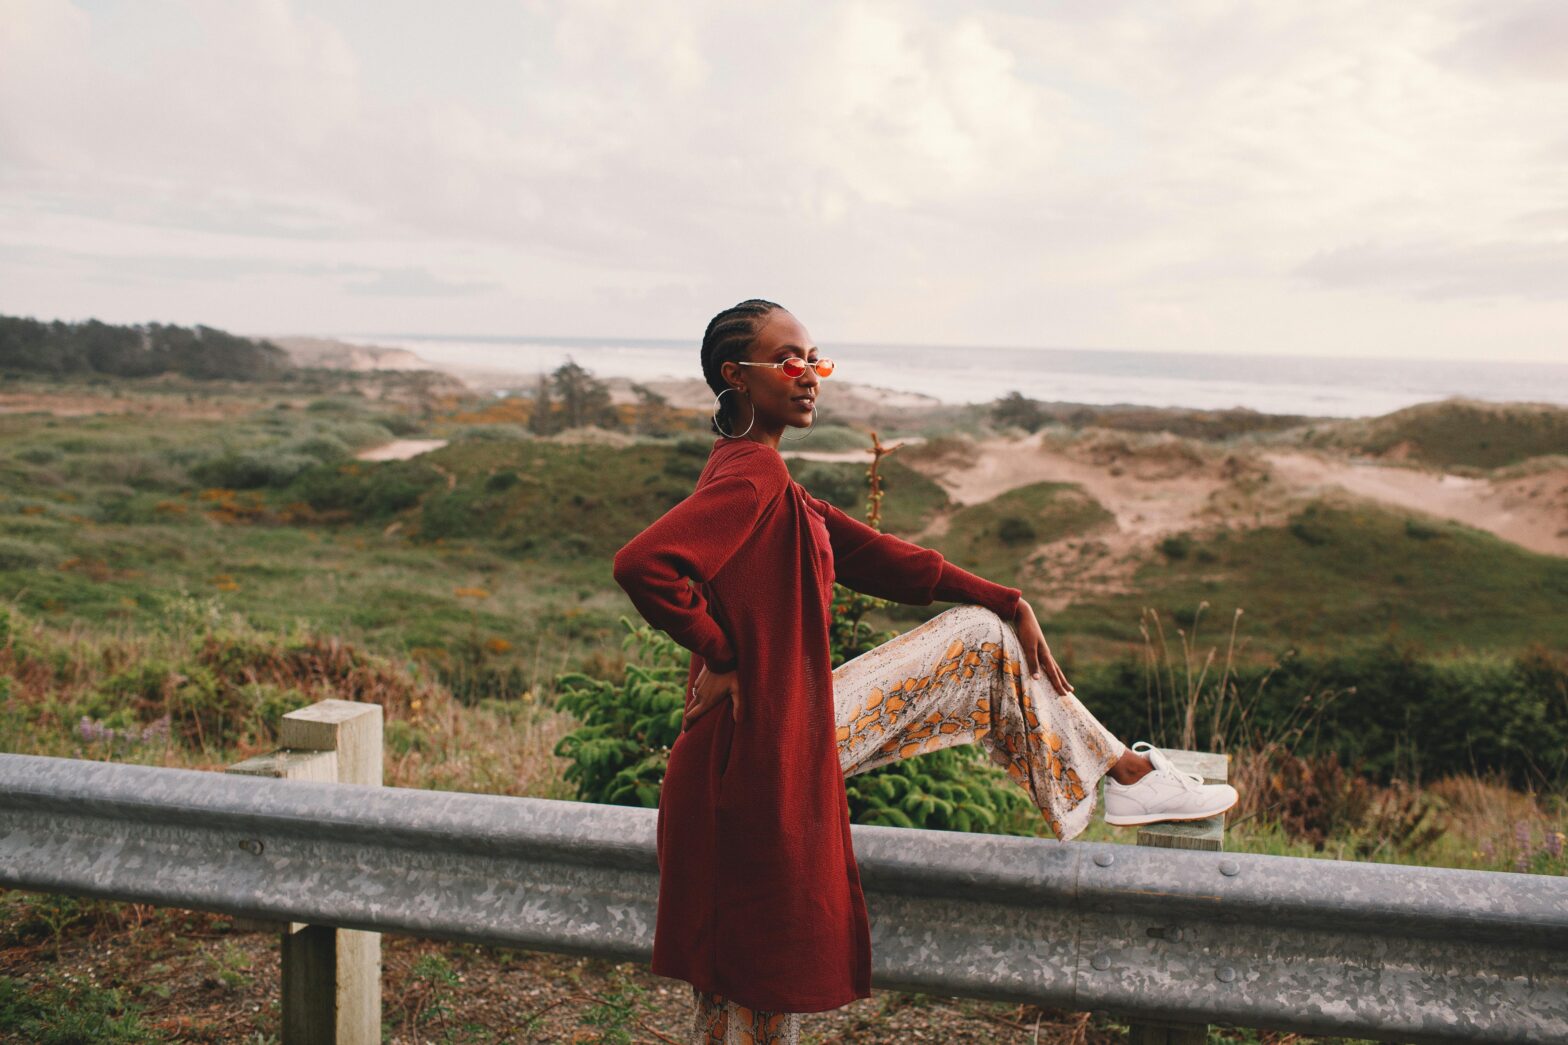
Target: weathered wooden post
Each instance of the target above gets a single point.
(331, 977)
(1190, 834)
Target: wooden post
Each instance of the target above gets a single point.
(1184, 834)
(331, 977)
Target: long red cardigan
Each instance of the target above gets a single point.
(759, 892)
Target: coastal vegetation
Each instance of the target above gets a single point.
(1461, 436)
(91, 347)
(183, 560)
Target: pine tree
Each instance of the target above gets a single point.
(584, 401)
(542, 421)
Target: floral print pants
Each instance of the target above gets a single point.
(959, 678)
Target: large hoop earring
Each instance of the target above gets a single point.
(809, 427)
(721, 427)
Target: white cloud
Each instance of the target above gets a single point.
(1506, 270)
(1202, 175)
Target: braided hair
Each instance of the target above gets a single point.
(727, 339)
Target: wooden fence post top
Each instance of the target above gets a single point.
(331, 978)
(1214, 768)
(1208, 834)
(348, 727)
(333, 710)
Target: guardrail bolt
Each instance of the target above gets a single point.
(252, 846)
(1104, 859)
(1225, 974)
(1229, 868)
(1101, 962)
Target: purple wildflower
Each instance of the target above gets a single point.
(91, 731)
(1554, 844)
(1522, 833)
(96, 732)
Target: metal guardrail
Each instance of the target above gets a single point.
(1316, 946)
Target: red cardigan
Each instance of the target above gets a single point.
(759, 892)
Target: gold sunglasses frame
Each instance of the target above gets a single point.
(811, 364)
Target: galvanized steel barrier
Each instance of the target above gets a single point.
(1376, 950)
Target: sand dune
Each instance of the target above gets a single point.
(1531, 511)
(1159, 487)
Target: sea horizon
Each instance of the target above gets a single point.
(1328, 386)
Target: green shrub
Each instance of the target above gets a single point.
(78, 1014)
(333, 404)
(207, 710)
(141, 470)
(1390, 709)
(322, 447)
(619, 755)
(826, 438)
(1306, 531)
(399, 425)
(361, 433)
(498, 433)
(954, 789)
(365, 492)
(1015, 529)
(250, 469)
(19, 554)
(38, 454)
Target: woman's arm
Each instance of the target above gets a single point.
(890, 567)
(693, 539)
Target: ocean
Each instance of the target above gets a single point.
(1275, 384)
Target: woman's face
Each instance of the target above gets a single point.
(779, 399)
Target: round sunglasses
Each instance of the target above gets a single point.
(794, 366)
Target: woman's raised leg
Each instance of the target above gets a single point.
(961, 677)
(717, 1020)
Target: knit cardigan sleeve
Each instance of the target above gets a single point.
(889, 567)
(693, 539)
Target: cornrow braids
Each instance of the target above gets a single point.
(727, 339)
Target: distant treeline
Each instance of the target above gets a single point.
(92, 347)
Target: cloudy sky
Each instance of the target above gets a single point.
(1340, 177)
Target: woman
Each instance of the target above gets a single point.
(760, 904)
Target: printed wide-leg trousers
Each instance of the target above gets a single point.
(958, 678)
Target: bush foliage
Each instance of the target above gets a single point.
(618, 756)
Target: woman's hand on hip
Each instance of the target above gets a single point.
(1036, 651)
(711, 689)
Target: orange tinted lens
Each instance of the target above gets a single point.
(824, 367)
(794, 366)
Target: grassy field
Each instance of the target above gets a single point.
(101, 517)
(1461, 435)
(73, 970)
(990, 538)
(1339, 576)
(178, 573)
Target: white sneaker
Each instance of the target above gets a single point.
(1164, 793)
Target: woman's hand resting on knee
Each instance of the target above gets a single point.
(1036, 651)
(711, 689)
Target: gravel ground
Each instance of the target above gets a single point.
(194, 978)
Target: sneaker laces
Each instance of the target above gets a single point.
(1162, 763)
